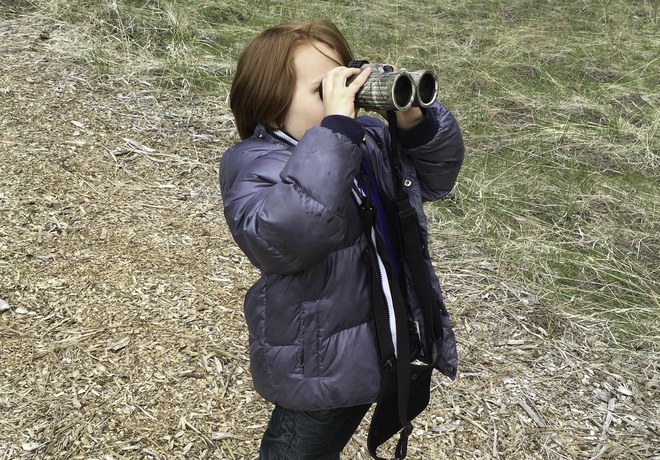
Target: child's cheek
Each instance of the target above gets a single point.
(318, 112)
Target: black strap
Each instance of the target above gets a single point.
(403, 375)
(383, 334)
(381, 318)
(380, 310)
(413, 252)
(412, 248)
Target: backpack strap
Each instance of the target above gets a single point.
(377, 276)
(412, 247)
(394, 355)
(396, 400)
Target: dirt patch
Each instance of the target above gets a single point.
(121, 328)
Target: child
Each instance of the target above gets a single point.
(288, 192)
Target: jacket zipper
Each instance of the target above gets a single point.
(363, 201)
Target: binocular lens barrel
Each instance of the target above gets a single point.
(386, 91)
(404, 93)
(427, 88)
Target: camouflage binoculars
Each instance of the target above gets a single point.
(398, 90)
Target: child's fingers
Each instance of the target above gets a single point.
(338, 96)
(336, 78)
(361, 79)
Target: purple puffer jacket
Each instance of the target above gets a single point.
(311, 331)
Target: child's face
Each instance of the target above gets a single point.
(306, 110)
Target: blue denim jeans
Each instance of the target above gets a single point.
(313, 435)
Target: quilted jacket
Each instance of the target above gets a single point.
(289, 208)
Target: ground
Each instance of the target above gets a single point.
(121, 327)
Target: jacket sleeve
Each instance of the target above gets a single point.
(436, 148)
(287, 208)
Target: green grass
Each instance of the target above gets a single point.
(559, 102)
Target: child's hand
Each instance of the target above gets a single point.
(409, 118)
(338, 98)
(404, 120)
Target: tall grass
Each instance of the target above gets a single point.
(559, 102)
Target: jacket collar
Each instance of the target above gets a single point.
(281, 135)
(278, 137)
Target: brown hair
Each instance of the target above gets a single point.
(265, 78)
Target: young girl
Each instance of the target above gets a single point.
(287, 190)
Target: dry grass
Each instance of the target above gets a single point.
(121, 331)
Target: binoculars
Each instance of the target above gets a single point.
(398, 90)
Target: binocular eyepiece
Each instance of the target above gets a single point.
(398, 90)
